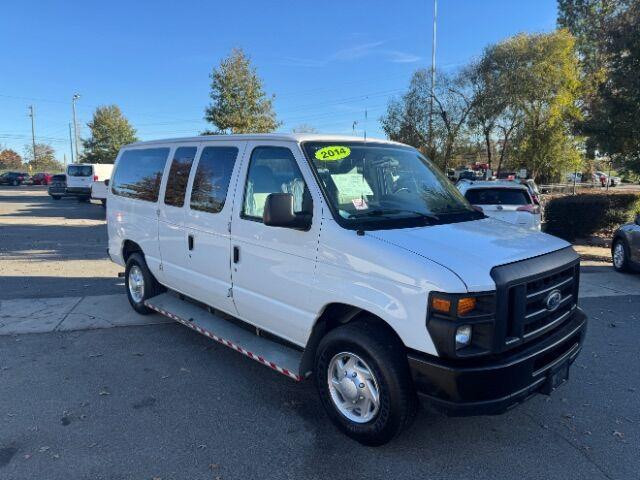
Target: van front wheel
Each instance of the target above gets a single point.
(140, 283)
(364, 382)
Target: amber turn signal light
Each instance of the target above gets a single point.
(440, 305)
(466, 305)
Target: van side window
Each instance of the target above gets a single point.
(179, 176)
(273, 170)
(139, 173)
(211, 181)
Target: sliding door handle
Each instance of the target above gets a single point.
(236, 254)
(190, 241)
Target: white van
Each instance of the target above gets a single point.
(356, 263)
(80, 177)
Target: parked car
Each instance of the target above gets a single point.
(467, 175)
(14, 178)
(625, 248)
(41, 178)
(602, 178)
(356, 263)
(507, 201)
(57, 187)
(80, 177)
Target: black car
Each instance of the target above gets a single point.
(57, 187)
(625, 248)
(14, 178)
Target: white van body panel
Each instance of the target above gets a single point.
(135, 220)
(209, 279)
(473, 247)
(172, 237)
(391, 283)
(277, 265)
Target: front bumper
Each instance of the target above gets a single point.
(491, 386)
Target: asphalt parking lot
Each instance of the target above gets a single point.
(90, 390)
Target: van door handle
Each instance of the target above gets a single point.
(236, 254)
(190, 240)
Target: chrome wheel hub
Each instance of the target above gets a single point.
(353, 387)
(136, 284)
(618, 255)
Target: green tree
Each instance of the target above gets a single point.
(238, 101)
(10, 160)
(110, 130)
(539, 83)
(45, 160)
(614, 125)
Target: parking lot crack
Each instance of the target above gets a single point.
(571, 444)
(55, 329)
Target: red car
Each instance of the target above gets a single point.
(42, 178)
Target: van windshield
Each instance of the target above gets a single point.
(376, 185)
(79, 170)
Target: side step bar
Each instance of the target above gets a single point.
(280, 358)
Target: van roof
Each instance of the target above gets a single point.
(295, 137)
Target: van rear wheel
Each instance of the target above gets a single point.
(363, 379)
(140, 283)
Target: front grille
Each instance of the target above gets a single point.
(523, 289)
(528, 314)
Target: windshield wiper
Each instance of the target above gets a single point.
(389, 214)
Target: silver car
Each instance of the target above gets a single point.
(625, 248)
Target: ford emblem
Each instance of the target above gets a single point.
(552, 302)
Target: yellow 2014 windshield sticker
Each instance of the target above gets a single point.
(333, 152)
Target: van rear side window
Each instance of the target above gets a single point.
(79, 170)
(139, 173)
(212, 178)
(179, 176)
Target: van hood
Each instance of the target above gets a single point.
(472, 249)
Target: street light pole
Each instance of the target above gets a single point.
(71, 142)
(75, 97)
(33, 133)
(433, 71)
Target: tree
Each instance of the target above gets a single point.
(407, 118)
(534, 82)
(238, 101)
(10, 160)
(110, 130)
(614, 125)
(45, 160)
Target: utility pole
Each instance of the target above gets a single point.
(75, 97)
(33, 132)
(433, 71)
(71, 142)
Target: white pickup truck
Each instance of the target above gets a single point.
(355, 263)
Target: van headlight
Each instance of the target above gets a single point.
(462, 325)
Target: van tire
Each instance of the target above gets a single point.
(385, 357)
(150, 288)
(84, 199)
(55, 197)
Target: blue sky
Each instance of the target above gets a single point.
(325, 61)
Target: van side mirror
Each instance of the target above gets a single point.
(278, 212)
(106, 182)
